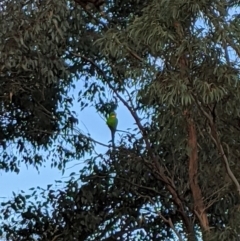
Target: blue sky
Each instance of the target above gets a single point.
(88, 118)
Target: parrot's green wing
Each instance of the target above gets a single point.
(112, 123)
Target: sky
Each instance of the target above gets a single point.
(96, 126)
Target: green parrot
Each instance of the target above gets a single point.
(112, 123)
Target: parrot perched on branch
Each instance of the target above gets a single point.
(112, 123)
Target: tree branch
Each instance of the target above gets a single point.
(214, 135)
(167, 221)
(199, 207)
(78, 134)
(158, 168)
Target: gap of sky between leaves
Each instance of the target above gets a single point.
(89, 122)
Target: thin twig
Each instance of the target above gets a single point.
(167, 221)
(79, 134)
(210, 203)
(139, 186)
(57, 236)
(124, 131)
(91, 139)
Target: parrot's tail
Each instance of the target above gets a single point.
(113, 137)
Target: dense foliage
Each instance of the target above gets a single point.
(35, 79)
(174, 65)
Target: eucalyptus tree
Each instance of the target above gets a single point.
(174, 65)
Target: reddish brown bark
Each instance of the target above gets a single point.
(199, 207)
